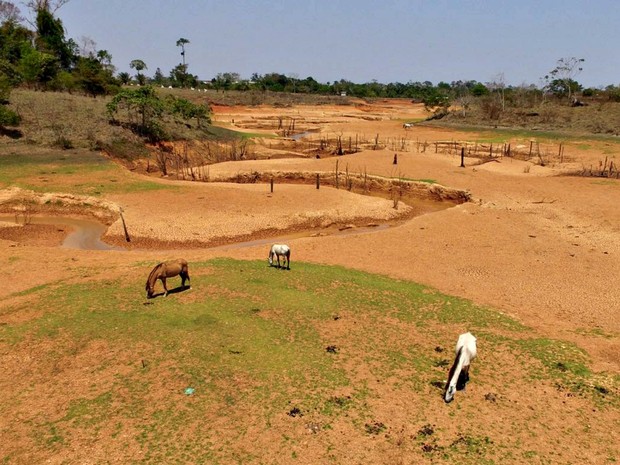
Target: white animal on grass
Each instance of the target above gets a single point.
(280, 250)
(459, 372)
(407, 125)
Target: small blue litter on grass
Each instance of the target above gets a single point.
(189, 391)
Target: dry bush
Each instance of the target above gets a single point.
(491, 108)
(23, 212)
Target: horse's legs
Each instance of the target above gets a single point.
(185, 277)
(163, 281)
(288, 261)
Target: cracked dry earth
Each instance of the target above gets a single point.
(542, 248)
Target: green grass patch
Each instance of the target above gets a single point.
(597, 332)
(427, 181)
(606, 182)
(501, 135)
(50, 170)
(218, 132)
(252, 342)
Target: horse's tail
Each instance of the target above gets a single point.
(184, 270)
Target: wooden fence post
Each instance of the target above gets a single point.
(127, 238)
(336, 174)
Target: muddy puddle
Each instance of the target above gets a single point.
(84, 234)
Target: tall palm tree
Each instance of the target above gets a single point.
(181, 43)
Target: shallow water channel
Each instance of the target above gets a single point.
(85, 234)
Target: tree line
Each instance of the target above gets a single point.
(39, 56)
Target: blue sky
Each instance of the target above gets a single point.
(358, 40)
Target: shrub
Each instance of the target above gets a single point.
(491, 107)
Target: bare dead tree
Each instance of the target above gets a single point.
(25, 211)
(49, 5)
(499, 85)
(9, 12)
(87, 46)
(52, 6)
(161, 158)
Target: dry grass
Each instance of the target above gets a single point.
(596, 118)
(251, 98)
(49, 118)
(69, 121)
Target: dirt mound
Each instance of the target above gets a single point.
(25, 203)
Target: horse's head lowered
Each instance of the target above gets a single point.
(458, 377)
(280, 250)
(150, 281)
(165, 270)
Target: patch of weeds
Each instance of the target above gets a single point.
(438, 384)
(337, 403)
(471, 444)
(331, 349)
(430, 448)
(601, 390)
(375, 427)
(125, 149)
(594, 332)
(54, 436)
(559, 357)
(295, 412)
(89, 411)
(442, 363)
(604, 182)
(426, 436)
(426, 430)
(32, 290)
(63, 143)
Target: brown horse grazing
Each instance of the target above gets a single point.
(165, 270)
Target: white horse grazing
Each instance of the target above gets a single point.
(407, 125)
(459, 373)
(280, 250)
